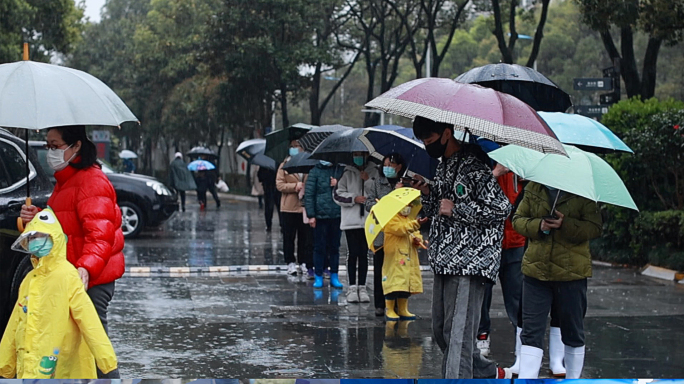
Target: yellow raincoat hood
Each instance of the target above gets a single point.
(54, 325)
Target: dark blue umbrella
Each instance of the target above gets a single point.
(263, 161)
(300, 163)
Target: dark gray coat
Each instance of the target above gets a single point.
(180, 177)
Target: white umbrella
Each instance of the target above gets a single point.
(126, 154)
(38, 95)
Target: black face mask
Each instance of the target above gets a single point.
(436, 149)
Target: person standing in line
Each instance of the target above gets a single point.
(324, 218)
(84, 202)
(349, 195)
(257, 187)
(180, 178)
(390, 178)
(267, 177)
(555, 266)
(292, 215)
(468, 210)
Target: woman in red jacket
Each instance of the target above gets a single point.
(85, 204)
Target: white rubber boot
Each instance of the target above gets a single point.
(574, 362)
(515, 368)
(556, 352)
(530, 362)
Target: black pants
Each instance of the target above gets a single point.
(182, 197)
(538, 297)
(511, 279)
(101, 295)
(212, 189)
(294, 227)
(358, 252)
(398, 295)
(378, 297)
(271, 199)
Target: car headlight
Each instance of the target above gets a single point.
(159, 188)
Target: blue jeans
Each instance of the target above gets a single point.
(327, 245)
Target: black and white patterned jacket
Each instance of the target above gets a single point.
(469, 242)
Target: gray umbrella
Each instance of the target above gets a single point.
(315, 136)
(263, 161)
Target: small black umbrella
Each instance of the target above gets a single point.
(524, 83)
(201, 151)
(338, 147)
(263, 161)
(300, 163)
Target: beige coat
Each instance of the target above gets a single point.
(286, 184)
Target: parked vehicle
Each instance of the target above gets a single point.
(14, 265)
(144, 200)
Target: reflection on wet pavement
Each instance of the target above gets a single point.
(259, 325)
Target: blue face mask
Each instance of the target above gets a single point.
(40, 247)
(294, 151)
(358, 160)
(389, 172)
(325, 163)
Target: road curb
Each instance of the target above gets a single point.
(271, 270)
(662, 273)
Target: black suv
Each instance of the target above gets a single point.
(144, 201)
(14, 265)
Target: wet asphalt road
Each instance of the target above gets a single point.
(268, 325)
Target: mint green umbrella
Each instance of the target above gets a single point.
(582, 173)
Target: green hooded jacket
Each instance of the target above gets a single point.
(563, 254)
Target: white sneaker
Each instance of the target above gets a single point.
(363, 294)
(483, 344)
(302, 269)
(292, 269)
(353, 294)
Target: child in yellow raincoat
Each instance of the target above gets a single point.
(54, 326)
(401, 276)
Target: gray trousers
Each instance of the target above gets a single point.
(101, 295)
(456, 308)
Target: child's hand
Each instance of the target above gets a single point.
(85, 276)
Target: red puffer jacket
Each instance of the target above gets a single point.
(85, 204)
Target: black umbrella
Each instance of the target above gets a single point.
(338, 147)
(263, 161)
(315, 136)
(300, 163)
(201, 151)
(524, 83)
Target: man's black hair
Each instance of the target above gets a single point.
(88, 152)
(424, 128)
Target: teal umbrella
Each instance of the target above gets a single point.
(584, 133)
(278, 142)
(582, 173)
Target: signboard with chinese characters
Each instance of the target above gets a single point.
(102, 140)
(591, 110)
(592, 84)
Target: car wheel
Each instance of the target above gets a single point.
(23, 268)
(132, 220)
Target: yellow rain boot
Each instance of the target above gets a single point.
(404, 314)
(390, 315)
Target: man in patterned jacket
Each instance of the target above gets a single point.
(468, 210)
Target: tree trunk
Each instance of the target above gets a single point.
(539, 34)
(283, 104)
(498, 32)
(315, 95)
(628, 66)
(648, 74)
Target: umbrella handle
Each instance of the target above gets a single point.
(20, 222)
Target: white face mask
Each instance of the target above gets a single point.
(55, 158)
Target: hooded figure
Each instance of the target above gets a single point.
(54, 326)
